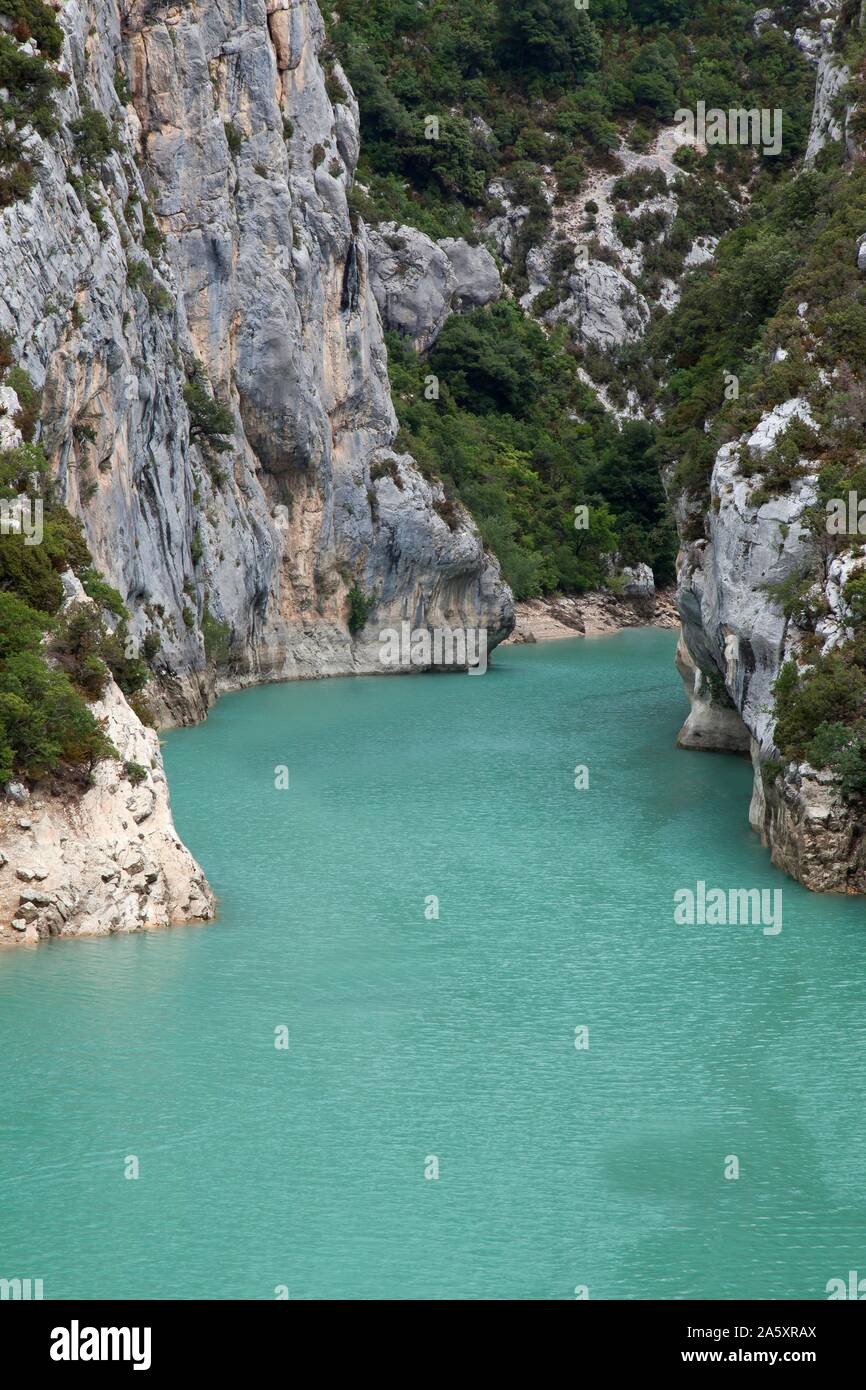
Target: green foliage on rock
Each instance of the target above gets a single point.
(210, 423)
(841, 748)
(831, 691)
(521, 442)
(549, 82)
(216, 636)
(94, 139)
(53, 662)
(28, 82)
(360, 607)
(44, 721)
(797, 247)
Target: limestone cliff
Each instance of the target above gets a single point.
(242, 140)
(210, 253)
(738, 630)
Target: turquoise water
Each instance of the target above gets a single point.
(454, 1038)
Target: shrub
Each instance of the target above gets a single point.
(841, 748)
(21, 627)
(29, 401)
(153, 239)
(94, 139)
(139, 275)
(360, 607)
(337, 94)
(102, 593)
(118, 650)
(121, 87)
(638, 186)
(210, 423)
(43, 721)
(78, 647)
(791, 594)
(29, 572)
(39, 21)
(28, 84)
(830, 691)
(217, 638)
(570, 175)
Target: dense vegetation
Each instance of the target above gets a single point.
(521, 87)
(522, 442)
(738, 318)
(521, 83)
(28, 82)
(53, 663)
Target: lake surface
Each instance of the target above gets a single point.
(412, 1038)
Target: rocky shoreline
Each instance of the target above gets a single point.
(595, 614)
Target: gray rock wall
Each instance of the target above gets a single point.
(234, 141)
(241, 139)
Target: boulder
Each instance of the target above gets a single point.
(413, 282)
(476, 276)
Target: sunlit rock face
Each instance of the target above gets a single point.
(214, 246)
(242, 142)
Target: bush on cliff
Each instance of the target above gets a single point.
(27, 84)
(45, 720)
(830, 691)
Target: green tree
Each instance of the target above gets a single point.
(549, 36)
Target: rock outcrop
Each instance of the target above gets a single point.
(829, 119)
(419, 282)
(732, 627)
(476, 278)
(603, 305)
(412, 280)
(210, 251)
(736, 636)
(104, 857)
(737, 628)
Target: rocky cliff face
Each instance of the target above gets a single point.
(213, 248)
(103, 858)
(830, 114)
(242, 140)
(736, 636)
(736, 631)
(419, 282)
